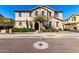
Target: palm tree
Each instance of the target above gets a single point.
(40, 19)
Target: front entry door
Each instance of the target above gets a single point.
(36, 26)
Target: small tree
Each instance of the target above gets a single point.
(40, 19)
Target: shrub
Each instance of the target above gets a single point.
(15, 29)
(49, 30)
(59, 29)
(22, 30)
(54, 30)
(45, 30)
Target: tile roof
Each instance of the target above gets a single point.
(21, 10)
(6, 25)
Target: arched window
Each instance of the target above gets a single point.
(27, 24)
(36, 13)
(57, 24)
(73, 18)
(49, 13)
(20, 23)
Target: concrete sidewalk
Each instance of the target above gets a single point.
(41, 35)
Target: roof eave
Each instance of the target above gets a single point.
(22, 11)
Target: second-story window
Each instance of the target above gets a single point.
(42, 13)
(49, 13)
(73, 18)
(20, 14)
(57, 24)
(36, 13)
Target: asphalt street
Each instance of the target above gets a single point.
(24, 43)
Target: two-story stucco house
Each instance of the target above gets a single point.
(72, 23)
(24, 18)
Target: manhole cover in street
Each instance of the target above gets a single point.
(41, 45)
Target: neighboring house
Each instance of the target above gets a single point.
(6, 28)
(72, 23)
(24, 18)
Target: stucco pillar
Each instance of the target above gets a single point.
(16, 24)
(33, 27)
(10, 30)
(25, 24)
(39, 25)
(29, 25)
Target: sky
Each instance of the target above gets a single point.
(68, 10)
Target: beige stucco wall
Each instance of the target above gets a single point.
(25, 16)
(40, 12)
(54, 21)
(53, 12)
(77, 25)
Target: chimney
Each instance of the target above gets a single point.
(59, 14)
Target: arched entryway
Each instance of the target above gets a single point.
(36, 26)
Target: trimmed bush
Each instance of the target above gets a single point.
(45, 30)
(59, 29)
(54, 30)
(22, 30)
(49, 30)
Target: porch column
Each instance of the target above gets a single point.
(29, 24)
(33, 25)
(10, 30)
(39, 25)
